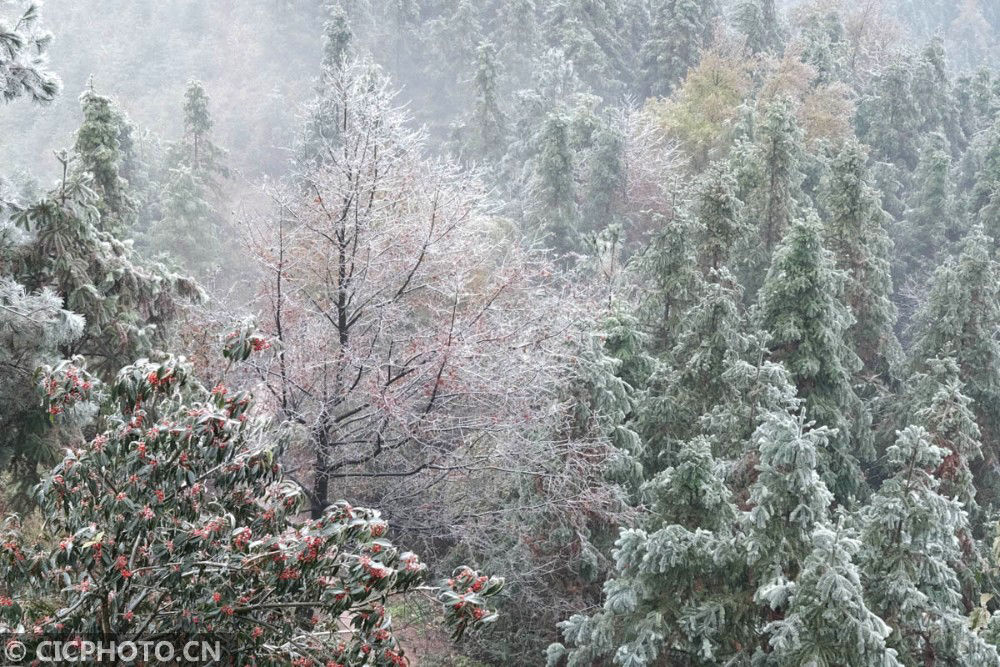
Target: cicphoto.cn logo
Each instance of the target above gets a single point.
(111, 651)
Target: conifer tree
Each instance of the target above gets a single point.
(769, 176)
(910, 542)
(672, 269)
(489, 120)
(932, 91)
(800, 309)
(191, 229)
(856, 234)
(679, 30)
(707, 331)
(929, 225)
(827, 622)
(555, 195)
(824, 46)
(938, 404)
(757, 21)
(788, 502)
(23, 60)
(99, 152)
(720, 212)
(984, 199)
(605, 177)
(889, 117)
(959, 318)
(337, 38)
(671, 595)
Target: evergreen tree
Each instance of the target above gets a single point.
(984, 199)
(930, 222)
(720, 213)
(323, 115)
(672, 270)
(555, 190)
(100, 153)
(939, 405)
(23, 61)
(33, 329)
(825, 46)
(827, 622)
(679, 29)
(788, 502)
(932, 91)
(770, 177)
(800, 309)
(337, 38)
(855, 233)
(605, 177)
(489, 121)
(911, 541)
(128, 306)
(959, 318)
(757, 21)
(708, 330)
(196, 149)
(191, 228)
(672, 594)
(889, 117)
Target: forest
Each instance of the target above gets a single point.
(475, 333)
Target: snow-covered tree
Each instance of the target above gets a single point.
(959, 318)
(23, 59)
(801, 310)
(827, 621)
(674, 593)
(911, 542)
(100, 153)
(855, 232)
(679, 29)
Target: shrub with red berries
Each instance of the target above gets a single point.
(175, 518)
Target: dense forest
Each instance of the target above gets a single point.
(503, 332)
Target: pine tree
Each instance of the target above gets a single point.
(984, 200)
(708, 330)
(800, 309)
(769, 178)
(889, 117)
(938, 403)
(605, 178)
(825, 46)
(720, 213)
(827, 622)
(323, 115)
(191, 229)
(679, 29)
(855, 232)
(196, 149)
(932, 91)
(337, 39)
(788, 502)
(100, 153)
(959, 318)
(930, 222)
(554, 187)
(757, 21)
(23, 61)
(672, 270)
(672, 593)
(489, 120)
(910, 542)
